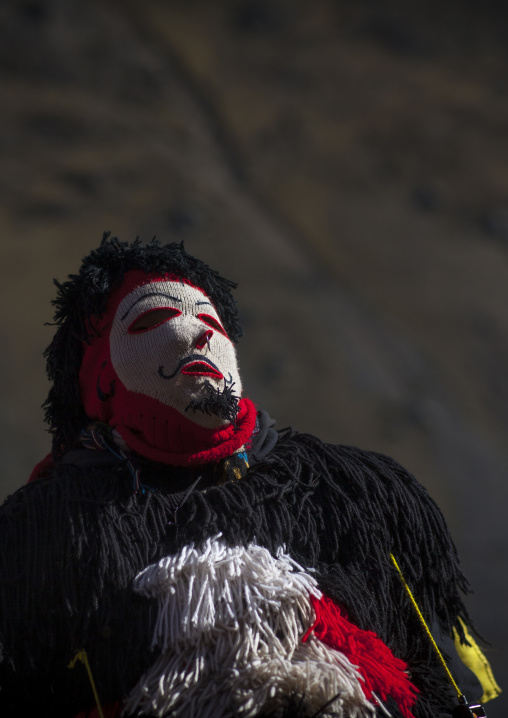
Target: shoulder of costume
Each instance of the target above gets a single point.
(368, 497)
(349, 465)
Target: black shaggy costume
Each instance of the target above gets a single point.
(73, 541)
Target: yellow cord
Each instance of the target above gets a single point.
(83, 657)
(424, 624)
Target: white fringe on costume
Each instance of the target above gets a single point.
(229, 629)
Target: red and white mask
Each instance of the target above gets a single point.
(158, 351)
(167, 342)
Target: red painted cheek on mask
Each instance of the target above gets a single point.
(98, 382)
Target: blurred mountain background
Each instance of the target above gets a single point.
(346, 161)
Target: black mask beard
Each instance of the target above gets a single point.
(219, 402)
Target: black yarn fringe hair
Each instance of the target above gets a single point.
(85, 295)
(73, 543)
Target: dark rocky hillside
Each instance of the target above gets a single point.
(345, 161)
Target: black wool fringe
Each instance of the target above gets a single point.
(72, 545)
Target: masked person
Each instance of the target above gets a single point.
(177, 556)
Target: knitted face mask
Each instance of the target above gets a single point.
(167, 342)
(164, 373)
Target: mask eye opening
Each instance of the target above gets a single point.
(212, 323)
(152, 318)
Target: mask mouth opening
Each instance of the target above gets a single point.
(198, 365)
(201, 368)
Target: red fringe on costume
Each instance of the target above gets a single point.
(383, 673)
